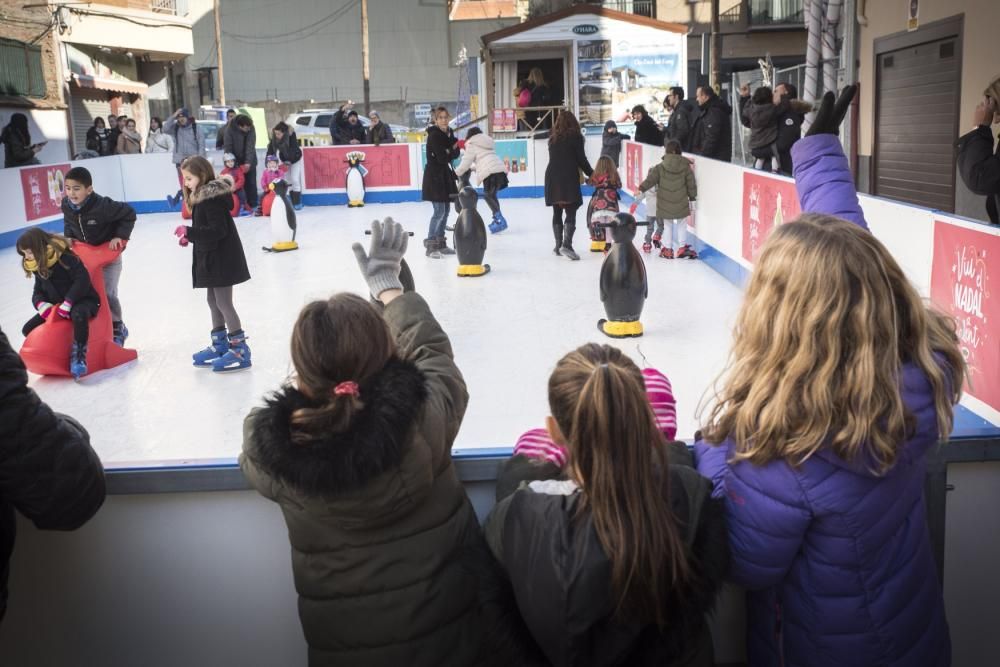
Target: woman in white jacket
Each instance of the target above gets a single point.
(480, 154)
(158, 141)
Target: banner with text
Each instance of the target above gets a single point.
(634, 175)
(42, 190)
(964, 265)
(767, 203)
(387, 165)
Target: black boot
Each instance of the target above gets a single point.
(567, 243)
(296, 200)
(557, 231)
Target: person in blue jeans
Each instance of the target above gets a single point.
(439, 181)
(840, 381)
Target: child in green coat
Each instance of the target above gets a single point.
(676, 191)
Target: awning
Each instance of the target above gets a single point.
(113, 85)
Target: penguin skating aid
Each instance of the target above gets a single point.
(470, 236)
(283, 224)
(623, 284)
(356, 173)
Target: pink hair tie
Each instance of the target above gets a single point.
(347, 387)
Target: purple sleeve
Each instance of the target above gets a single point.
(824, 180)
(766, 514)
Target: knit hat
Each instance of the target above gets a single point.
(271, 158)
(373, 113)
(186, 112)
(352, 112)
(228, 157)
(610, 124)
(661, 399)
(537, 444)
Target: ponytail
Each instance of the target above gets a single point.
(598, 399)
(333, 415)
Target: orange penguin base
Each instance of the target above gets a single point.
(46, 349)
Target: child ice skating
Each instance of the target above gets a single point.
(273, 170)
(62, 289)
(95, 220)
(236, 174)
(611, 141)
(218, 262)
(676, 190)
(654, 228)
(604, 202)
(480, 155)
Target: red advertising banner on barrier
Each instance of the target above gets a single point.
(964, 267)
(387, 165)
(42, 190)
(633, 166)
(767, 203)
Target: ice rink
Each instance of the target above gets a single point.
(508, 328)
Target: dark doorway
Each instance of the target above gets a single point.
(552, 69)
(917, 96)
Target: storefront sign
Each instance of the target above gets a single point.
(962, 285)
(584, 29)
(42, 190)
(504, 120)
(767, 203)
(388, 166)
(912, 15)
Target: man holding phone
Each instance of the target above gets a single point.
(978, 163)
(16, 139)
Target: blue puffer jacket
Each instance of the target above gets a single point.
(837, 561)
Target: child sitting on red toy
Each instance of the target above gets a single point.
(273, 171)
(232, 171)
(62, 287)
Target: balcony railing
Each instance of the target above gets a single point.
(164, 6)
(776, 13)
(637, 7)
(732, 17)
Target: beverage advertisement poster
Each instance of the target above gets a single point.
(767, 203)
(963, 285)
(42, 190)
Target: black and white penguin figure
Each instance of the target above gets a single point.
(356, 173)
(624, 287)
(470, 236)
(283, 225)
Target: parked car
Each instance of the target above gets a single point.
(313, 126)
(210, 130)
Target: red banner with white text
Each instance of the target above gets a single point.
(767, 203)
(963, 284)
(387, 165)
(42, 190)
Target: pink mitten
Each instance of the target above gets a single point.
(180, 231)
(64, 309)
(183, 241)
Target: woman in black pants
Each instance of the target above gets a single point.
(562, 180)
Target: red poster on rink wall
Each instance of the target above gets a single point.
(964, 285)
(633, 166)
(767, 203)
(326, 167)
(42, 190)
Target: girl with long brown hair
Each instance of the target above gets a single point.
(217, 263)
(618, 559)
(357, 452)
(604, 202)
(839, 382)
(562, 181)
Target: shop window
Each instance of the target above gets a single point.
(21, 69)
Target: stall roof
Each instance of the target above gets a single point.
(591, 10)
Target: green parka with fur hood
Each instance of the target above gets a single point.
(675, 186)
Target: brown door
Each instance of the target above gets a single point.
(916, 123)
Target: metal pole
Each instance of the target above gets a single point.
(364, 54)
(218, 54)
(716, 80)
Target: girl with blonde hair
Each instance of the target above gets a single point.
(839, 382)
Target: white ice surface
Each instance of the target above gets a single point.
(508, 328)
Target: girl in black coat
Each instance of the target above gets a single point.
(218, 262)
(562, 180)
(439, 181)
(62, 287)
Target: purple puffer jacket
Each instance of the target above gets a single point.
(837, 561)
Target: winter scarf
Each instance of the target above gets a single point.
(53, 251)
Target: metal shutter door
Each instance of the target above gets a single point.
(916, 121)
(87, 104)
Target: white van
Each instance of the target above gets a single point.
(312, 126)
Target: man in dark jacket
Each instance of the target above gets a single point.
(241, 141)
(977, 162)
(711, 134)
(346, 128)
(789, 121)
(682, 114)
(220, 137)
(646, 130)
(48, 471)
(378, 132)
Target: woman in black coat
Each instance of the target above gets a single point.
(16, 139)
(562, 180)
(439, 183)
(99, 138)
(978, 164)
(48, 470)
(218, 262)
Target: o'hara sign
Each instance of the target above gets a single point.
(585, 29)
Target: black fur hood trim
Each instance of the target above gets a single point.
(220, 186)
(341, 462)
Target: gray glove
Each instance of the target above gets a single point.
(380, 266)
